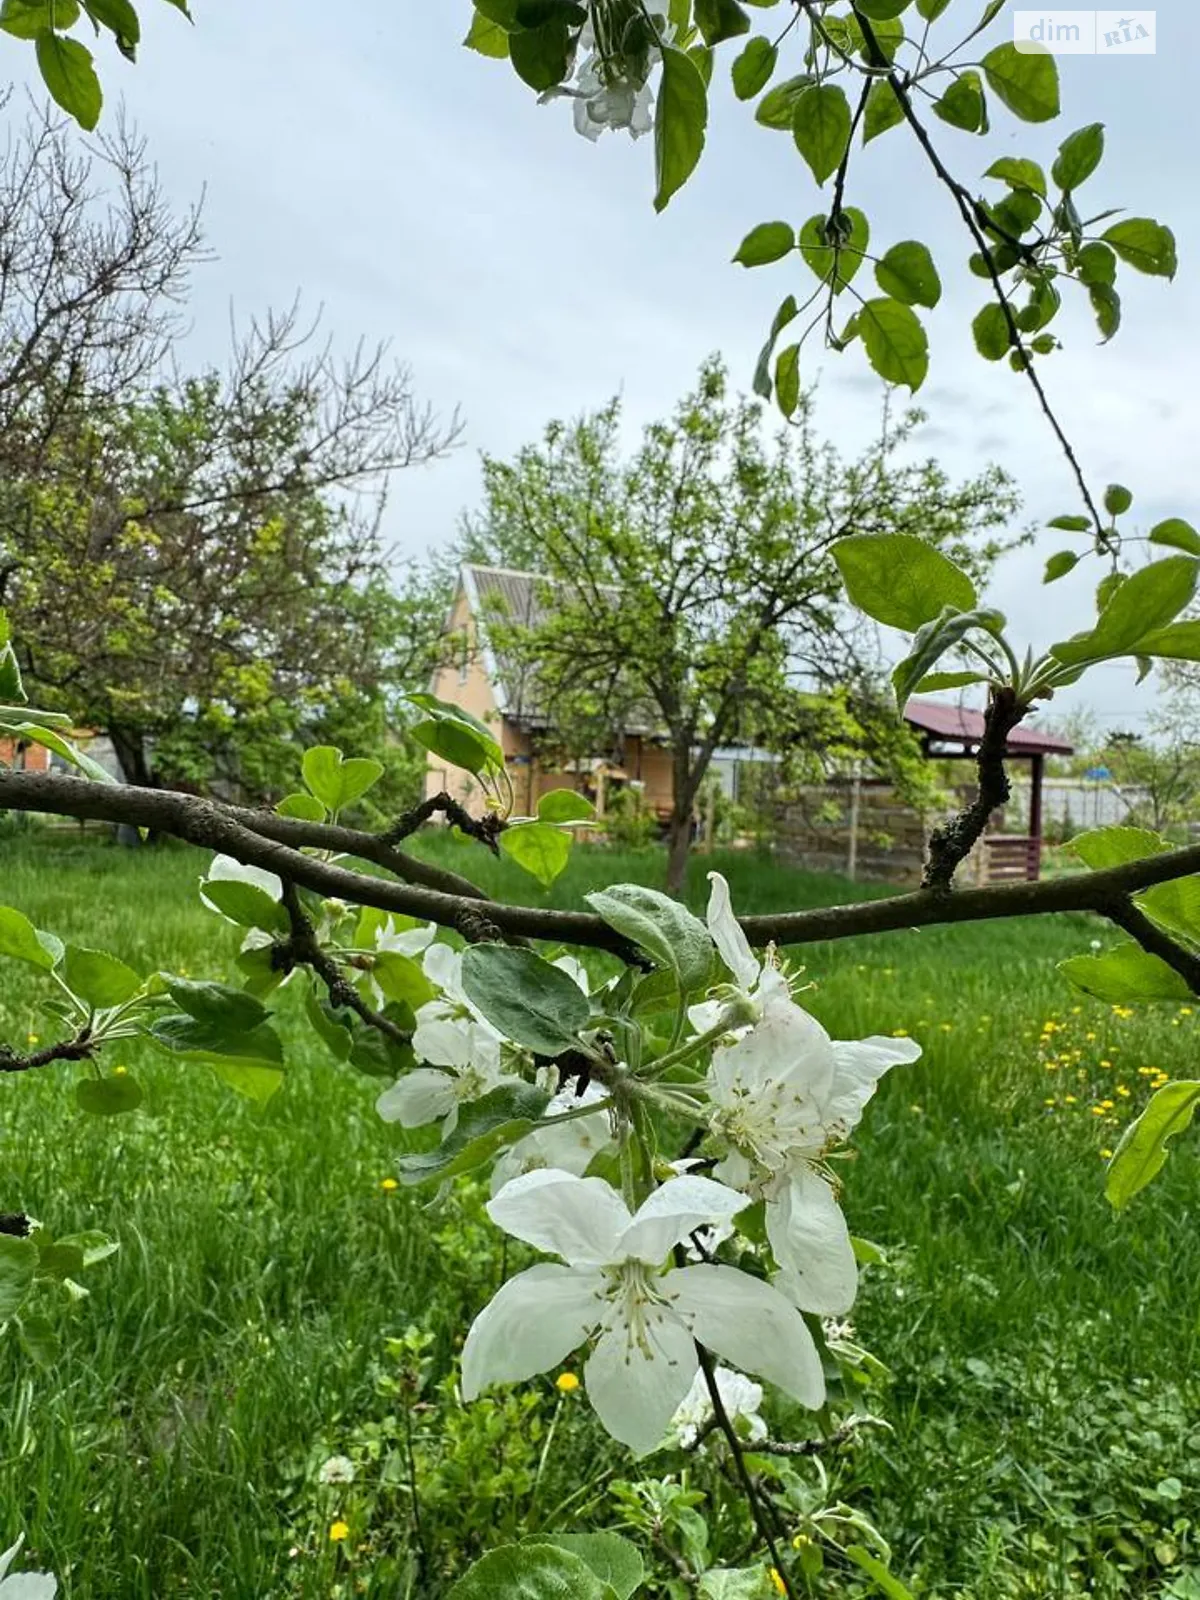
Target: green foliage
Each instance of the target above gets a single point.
(335, 781)
(1143, 1150)
(665, 930)
(484, 1128)
(821, 128)
(530, 1001)
(530, 1572)
(1127, 972)
(543, 850)
(448, 731)
(679, 125)
(901, 580)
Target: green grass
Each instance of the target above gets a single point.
(1043, 1397)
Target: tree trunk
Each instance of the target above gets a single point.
(679, 845)
(129, 746)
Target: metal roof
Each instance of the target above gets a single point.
(963, 726)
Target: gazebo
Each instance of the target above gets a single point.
(953, 733)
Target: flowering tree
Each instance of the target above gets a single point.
(669, 1134)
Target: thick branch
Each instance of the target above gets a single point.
(212, 827)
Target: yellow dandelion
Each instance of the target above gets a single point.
(1097, 1111)
(31, 1038)
(1106, 1105)
(1051, 1102)
(566, 1383)
(897, 1033)
(1123, 1091)
(120, 1072)
(1090, 1037)
(1075, 1010)
(338, 1531)
(388, 1184)
(1106, 1155)
(1185, 1011)
(946, 1027)
(1068, 1099)
(1105, 1062)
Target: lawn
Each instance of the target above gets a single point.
(274, 1304)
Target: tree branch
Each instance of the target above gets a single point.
(80, 1048)
(954, 840)
(1151, 937)
(486, 829)
(213, 827)
(303, 949)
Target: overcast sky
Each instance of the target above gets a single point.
(417, 192)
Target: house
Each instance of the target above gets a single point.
(503, 693)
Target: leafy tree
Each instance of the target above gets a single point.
(195, 563)
(694, 592)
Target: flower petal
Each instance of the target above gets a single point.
(443, 967)
(227, 869)
(532, 1323)
(749, 1323)
(420, 1096)
(580, 1219)
(787, 1052)
(636, 1385)
(673, 1211)
(811, 1241)
(444, 1043)
(732, 944)
(29, 1586)
(575, 970)
(408, 941)
(858, 1066)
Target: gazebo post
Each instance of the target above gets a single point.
(1037, 765)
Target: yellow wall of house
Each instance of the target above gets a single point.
(651, 763)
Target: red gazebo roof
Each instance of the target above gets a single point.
(962, 726)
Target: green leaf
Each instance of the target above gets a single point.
(41, 733)
(825, 245)
(931, 10)
(119, 17)
(1138, 608)
(1143, 1151)
(1025, 80)
(907, 273)
(542, 850)
(736, 1583)
(1100, 848)
(1125, 973)
(22, 941)
(402, 979)
(485, 1126)
(948, 680)
(787, 380)
(249, 1079)
(26, 19)
(456, 736)
(1078, 156)
(68, 73)
(190, 1036)
(11, 688)
(18, 1263)
(665, 930)
(932, 641)
(534, 1004)
(565, 805)
(108, 1097)
(614, 1560)
(777, 108)
(880, 1575)
(679, 123)
(770, 241)
(991, 331)
(217, 1003)
(1144, 244)
(883, 111)
(821, 128)
(486, 37)
(1059, 564)
(881, 10)
(97, 978)
(1178, 642)
(752, 69)
(541, 57)
(1178, 534)
(40, 1340)
(1019, 173)
(529, 1572)
(245, 903)
(895, 341)
(719, 20)
(1117, 499)
(1097, 264)
(1106, 305)
(900, 580)
(304, 807)
(963, 105)
(762, 371)
(337, 782)
(1071, 524)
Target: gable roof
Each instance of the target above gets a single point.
(959, 725)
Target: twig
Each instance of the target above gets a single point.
(486, 829)
(81, 1048)
(954, 840)
(304, 949)
(1151, 937)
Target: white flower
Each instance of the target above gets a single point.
(470, 1051)
(338, 1469)
(760, 985)
(647, 1319)
(782, 1095)
(740, 1396)
(443, 967)
(24, 1585)
(622, 103)
(569, 1147)
(405, 941)
(224, 869)
(575, 970)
